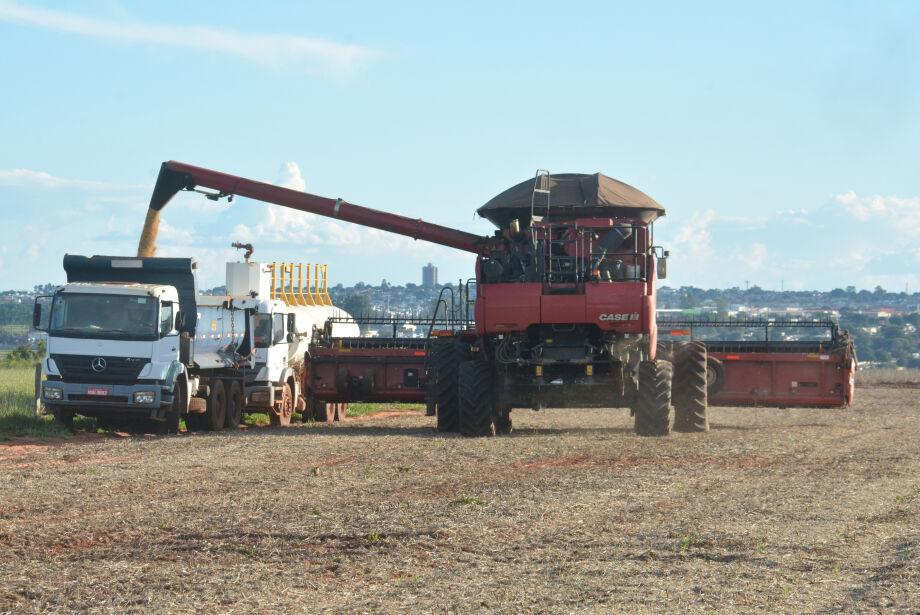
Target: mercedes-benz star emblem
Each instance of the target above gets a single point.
(98, 364)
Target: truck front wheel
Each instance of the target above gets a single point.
(62, 416)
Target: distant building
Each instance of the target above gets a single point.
(429, 275)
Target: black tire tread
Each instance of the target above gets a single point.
(446, 358)
(475, 387)
(690, 392)
(653, 402)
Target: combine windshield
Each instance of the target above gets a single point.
(104, 316)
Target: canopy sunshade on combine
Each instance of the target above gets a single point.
(572, 195)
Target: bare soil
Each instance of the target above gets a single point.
(796, 511)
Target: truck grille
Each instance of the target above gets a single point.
(79, 368)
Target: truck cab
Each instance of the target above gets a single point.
(112, 348)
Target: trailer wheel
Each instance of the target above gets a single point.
(234, 404)
(475, 383)
(280, 416)
(653, 402)
(689, 389)
(321, 412)
(503, 425)
(215, 416)
(446, 359)
(715, 375)
(62, 417)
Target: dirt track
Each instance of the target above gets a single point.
(774, 510)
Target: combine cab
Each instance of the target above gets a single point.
(776, 363)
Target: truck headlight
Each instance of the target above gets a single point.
(54, 393)
(259, 397)
(144, 397)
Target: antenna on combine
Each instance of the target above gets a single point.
(244, 246)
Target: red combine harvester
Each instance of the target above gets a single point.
(770, 362)
(564, 301)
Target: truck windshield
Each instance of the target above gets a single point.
(89, 315)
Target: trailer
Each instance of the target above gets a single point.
(393, 368)
(777, 363)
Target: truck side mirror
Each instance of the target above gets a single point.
(662, 268)
(36, 315)
(180, 320)
(290, 323)
(38, 312)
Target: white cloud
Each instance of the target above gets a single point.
(694, 240)
(275, 51)
(753, 257)
(291, 177)
(41, 179)
(901, 215)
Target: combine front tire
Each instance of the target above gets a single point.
(475, 380)
(653, 402)
(446, 358)
(690, 396)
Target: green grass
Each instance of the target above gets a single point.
(363, 409)
(17, 415)
(17, 330)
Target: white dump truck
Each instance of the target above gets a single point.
(132, 338)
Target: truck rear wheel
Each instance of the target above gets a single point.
(690, 390)
(234, 404)
(215, 416)
(446, 359)
(475, 387)
(653, 401)
(280, 415)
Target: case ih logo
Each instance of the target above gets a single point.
(619, 317)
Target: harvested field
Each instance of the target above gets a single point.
(774, 510)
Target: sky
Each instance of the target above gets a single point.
(783, 138)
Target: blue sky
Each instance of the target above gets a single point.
(781, 137)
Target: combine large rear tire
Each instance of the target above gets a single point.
(653, 401)
(690, 390)
(446, 359)
(475, 382)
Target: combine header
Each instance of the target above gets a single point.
(564, 308)
(769, 362)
